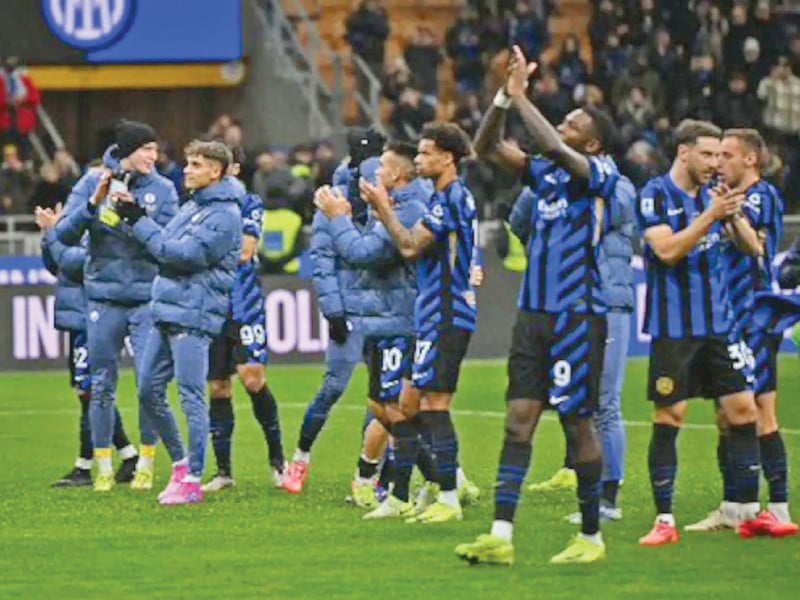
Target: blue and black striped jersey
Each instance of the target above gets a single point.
(247, 298)
(445, 297)
(750, 274)
(568, 217)
(689, 299)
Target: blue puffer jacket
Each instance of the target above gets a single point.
(616, 251)
(332, 276)
(66, 263)
(384, 292)
(119, 268)
(197, 252)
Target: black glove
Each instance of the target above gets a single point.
(338, 330)
(130, 212)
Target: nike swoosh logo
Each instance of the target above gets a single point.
(556, 400)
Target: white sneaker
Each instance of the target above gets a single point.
(391, 508)
(219, 483)
(607, 515)
(278, 474)
(717, 520)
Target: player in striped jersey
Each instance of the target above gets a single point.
(695, 350)
(739, 159)
(241, 348)
(443, 243)
(559, 337)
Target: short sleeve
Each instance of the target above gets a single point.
(440, 218)
(603, 177)
(534, 170)
(650, 208)
(252, 216)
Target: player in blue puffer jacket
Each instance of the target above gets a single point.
(197, 253)
(333, 279)
(66, 264)
(386, 290)
(118, 276)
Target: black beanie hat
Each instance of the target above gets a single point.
(132, 135)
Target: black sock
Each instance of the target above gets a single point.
(662, 460)
(773, 461)
(746, 462)
(387, 470)
(366, 469)
(571, 450)
(609, 493)
(406, 448)
(426, 460)
(85, 432)
(515, 459)
(445, 448)
(589, 495)
(725, 465)
(120, 438)
(266, 411)
(221, 424)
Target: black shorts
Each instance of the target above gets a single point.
(557, 359)
(388, 363)
(236, 345)
(79, 376)
(764, 348)
(696, 368)
(438, 355)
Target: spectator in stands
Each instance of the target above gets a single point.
(711, 36)
(19, 101)
(325, 163)
(737, 106)
(641, 163)
(702, 86)
(610, 62)
(769, 32)
(603, 24)
(233, 135)
(527, 30)
(780, 92)
(494, 32)
(570, 68)
(367, 31)
(49, 190)
(68, 170)
(553, 100)
(462, 43)
(667, 63)
(217, 129)
(754, 66)
(739, 30)
(410, 115)
(169, 167)
(643, 23)
(302, 185)
(16, 183)
(398, 78)
(639, 74)
(635, 114)
(423, 57)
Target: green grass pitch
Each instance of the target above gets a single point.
(257, 542)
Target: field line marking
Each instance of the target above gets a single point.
(488, 414)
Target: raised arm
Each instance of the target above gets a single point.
(81, 208)
(546, 138)
(744, 235)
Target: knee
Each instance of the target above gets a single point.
(379, 412)
(253, 378)
(740, 409)
(672, 415)
(220, 389)
(335, 383)
(520, 423)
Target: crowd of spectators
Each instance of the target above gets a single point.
(652, 63)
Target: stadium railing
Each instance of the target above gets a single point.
(19, 236)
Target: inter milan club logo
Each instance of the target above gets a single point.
(89, 24)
